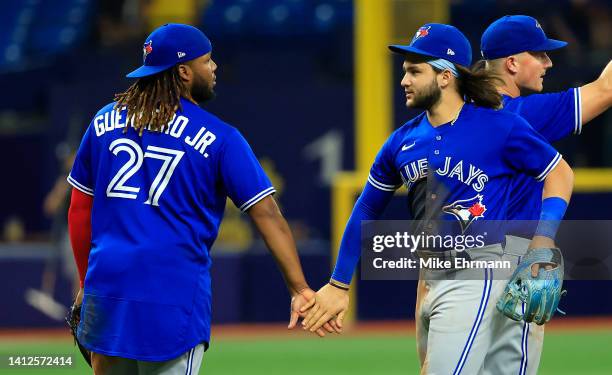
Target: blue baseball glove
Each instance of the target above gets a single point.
(540, 295)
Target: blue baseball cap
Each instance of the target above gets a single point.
(440, 41)
(169, 45)
(514, 34)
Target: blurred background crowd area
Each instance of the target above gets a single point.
(285, 79)
(285, 73)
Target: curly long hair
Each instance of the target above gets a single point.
(152, 101)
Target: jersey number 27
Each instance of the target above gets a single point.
(117, 186)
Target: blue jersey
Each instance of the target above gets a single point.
(555, 116)
(473, 161)
(158, 200)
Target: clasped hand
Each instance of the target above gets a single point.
(322, 311)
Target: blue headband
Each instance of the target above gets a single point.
(444, 65)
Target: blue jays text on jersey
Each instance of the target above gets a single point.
(473, 161)
(158, 201)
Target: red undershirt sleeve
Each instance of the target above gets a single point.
(79, 228)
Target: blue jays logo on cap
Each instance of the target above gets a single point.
(515, 34)
(421, 32)
(146, 49)
(466, 210)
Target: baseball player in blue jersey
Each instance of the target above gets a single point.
(515, 50)
(151, 179)
(469, 153)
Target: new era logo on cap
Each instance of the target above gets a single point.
(450, 52)
(180, 54)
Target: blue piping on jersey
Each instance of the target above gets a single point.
(553, 163)
(261, 195)
(577, 111)
(479, 316)
(79, 186)
(189, 361)
(524, 358)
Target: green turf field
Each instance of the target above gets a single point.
(564, 353)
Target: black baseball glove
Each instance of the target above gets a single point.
(73, 318)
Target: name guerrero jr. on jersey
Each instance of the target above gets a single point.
(116, 119)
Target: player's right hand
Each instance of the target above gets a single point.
(298, 301)
(329, 306)
(538, 242)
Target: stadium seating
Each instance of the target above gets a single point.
(34, 31)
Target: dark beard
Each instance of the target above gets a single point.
(428, 98)
(200, 91)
